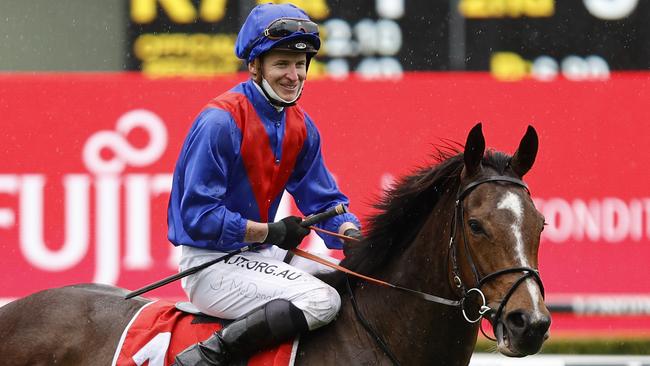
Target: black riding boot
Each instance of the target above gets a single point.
(275, 322)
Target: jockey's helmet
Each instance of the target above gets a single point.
(277, 26)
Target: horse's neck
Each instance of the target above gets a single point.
(416, 331)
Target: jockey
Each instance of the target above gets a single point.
(243, 150)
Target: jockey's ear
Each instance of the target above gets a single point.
(255, 70)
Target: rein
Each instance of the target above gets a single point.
(458, 216)
(421, 295)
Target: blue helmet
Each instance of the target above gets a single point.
(271, 26)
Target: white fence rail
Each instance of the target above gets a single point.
(609, 305)
(483, 359)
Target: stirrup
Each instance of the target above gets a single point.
(210, 352)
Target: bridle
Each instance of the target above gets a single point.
(458, 219)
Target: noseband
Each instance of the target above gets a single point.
(458, 218)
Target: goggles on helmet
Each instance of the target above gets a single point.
(284, 27)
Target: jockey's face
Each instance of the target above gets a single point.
(285, 72)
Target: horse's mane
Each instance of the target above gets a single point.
(403, 208)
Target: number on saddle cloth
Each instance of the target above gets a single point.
(161, 329)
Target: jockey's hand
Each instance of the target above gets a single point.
(353, 233)
(350, 247)
(286, 233)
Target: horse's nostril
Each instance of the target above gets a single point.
(517, 320)
(527, 330)
(541, 325)
(524, 324)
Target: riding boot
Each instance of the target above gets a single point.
(275, 322)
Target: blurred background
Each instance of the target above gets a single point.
(512, 38)
(96, 98)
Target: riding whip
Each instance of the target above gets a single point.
(308, 221)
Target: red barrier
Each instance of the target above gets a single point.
(87, 162)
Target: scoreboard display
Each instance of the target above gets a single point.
(182, 37)
(580, 39)
(514, 39)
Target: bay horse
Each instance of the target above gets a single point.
(465, 230)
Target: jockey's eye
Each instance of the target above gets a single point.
(475, 226)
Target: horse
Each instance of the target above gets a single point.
(460, 237)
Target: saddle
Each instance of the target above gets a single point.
(161, 329)
(188, 307)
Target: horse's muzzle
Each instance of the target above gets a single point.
(522, 332)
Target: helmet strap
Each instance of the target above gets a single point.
(274, 98)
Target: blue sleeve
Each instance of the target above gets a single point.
(200, 181)
(314, 189)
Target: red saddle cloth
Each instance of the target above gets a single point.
(158, 331)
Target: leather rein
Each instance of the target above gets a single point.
(458, 219)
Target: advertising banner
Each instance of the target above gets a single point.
(87, 162)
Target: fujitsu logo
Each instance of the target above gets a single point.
(108, 180)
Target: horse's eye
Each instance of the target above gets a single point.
(475, 226)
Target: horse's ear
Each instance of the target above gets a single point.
(474, 149)
(524, 157)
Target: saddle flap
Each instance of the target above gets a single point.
(161, 329)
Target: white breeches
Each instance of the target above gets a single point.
(249, 280)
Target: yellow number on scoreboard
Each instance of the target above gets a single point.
(178, 11)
